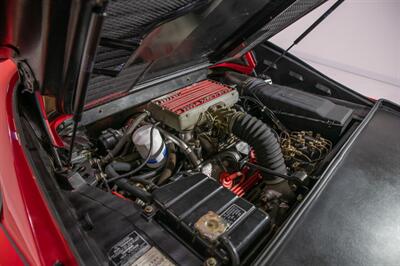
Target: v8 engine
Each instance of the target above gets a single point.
(215, 166)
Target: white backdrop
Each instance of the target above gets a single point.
(357, 45)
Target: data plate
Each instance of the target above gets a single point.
(128, 250)
(153, 257)
(232, 214)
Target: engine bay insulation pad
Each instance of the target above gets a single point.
(183, 108)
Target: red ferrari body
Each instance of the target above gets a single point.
(28, 232)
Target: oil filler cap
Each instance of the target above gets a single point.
(210, 226)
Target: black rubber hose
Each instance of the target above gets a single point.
(121, 166)
(146, 175)
(145, 196)
(263, 140)
(271, 173)
(122, 142)
(137, 169)
(233, 254)
(169, 165)
(123, 184)
(126, 167)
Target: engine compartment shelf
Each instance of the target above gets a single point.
(354, 204)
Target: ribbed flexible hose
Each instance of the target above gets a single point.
(264, 142)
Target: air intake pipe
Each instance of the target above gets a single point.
(264, 142)
(258, 135)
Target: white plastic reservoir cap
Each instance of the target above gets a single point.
(141, 140)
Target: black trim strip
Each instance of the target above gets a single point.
(141, 94)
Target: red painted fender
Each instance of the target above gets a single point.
(25, 216)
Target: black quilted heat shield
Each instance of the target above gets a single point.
(141, 40)
(128, 21)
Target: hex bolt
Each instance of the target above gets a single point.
(148, 209)
(211, 262)
(299, 197)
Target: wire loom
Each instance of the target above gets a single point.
(302, 150)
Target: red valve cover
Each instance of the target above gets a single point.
(181, 109)
(185, 99)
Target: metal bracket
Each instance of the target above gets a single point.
(27, 77)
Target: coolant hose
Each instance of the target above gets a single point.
(125, 138)
(134, 190)
(191, 155)
(125, 185)
(115, 167)
(233, 254)
(264, 142)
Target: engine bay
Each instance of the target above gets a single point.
(205, 174)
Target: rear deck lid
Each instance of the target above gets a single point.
(135, 41)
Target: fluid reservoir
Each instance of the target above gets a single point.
(141, 139)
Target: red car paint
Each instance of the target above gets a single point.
(245, 69)
(8, 253)
(25, 216)
(53, 128)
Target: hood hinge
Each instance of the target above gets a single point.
(27, 77)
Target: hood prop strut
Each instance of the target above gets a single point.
(305, 33)
(86, 67)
